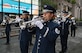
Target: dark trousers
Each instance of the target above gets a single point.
(54, 46)
(73, 32)
(24, 46)
(64, 39)
(7, 36)
(30, 41)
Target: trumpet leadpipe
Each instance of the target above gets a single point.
(31, 22)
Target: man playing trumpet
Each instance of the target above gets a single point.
(46, 32)
(25, 33)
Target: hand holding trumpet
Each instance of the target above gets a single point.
(34, 22)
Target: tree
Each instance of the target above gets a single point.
(71, 1)
(49, 2)
(68, 0)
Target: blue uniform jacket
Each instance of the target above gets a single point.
(45, 38)
(25, 35)
(8, 27)
(65, 27)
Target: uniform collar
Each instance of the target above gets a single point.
(50, 20)
(26, 19)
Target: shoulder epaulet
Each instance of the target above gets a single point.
(56, 21)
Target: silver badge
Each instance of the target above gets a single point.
(57, 31)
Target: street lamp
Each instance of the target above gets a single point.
(79, 13)
(19, 8)
(31, 9)
(2, 6)
(2, 10)
(39, 2)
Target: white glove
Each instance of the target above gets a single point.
(4, 21)
(18, 20)
(23, 26)
(74, 23)
(59, 22)
(64, 19)
(33, 22)
(39, 24)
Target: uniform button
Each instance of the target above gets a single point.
(38, 47)
(40, 37)
(39, 40)
(44, 23)
(38, 44)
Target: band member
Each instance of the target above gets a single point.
(65, 22)
(7, 30)
(73, 26)
(46, 32)
(25, 34)
(30, 42)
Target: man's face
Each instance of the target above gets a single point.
(65, 14)
(25, 15)
(48, 16)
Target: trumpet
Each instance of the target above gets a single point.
(5, 21)
(30, 23)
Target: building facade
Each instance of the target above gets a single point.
(79, 9)
(76, 8)
(15, 7)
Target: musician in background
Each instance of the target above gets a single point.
(7, 29)
(64, 31)
(25, 33)
(73, 26)
(30, 41)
